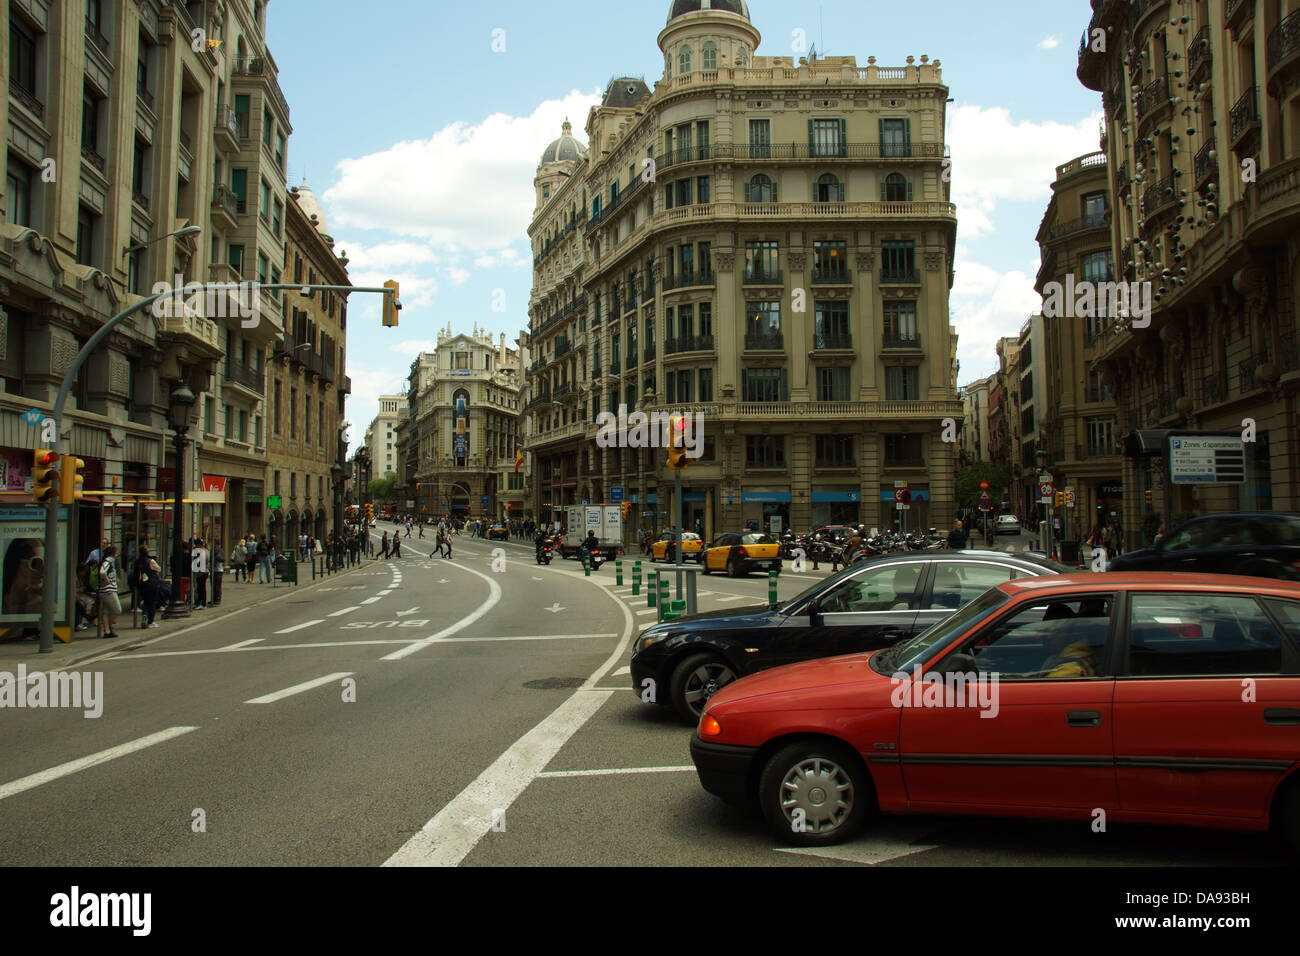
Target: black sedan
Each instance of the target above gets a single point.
(1262, 544)
(868, 606)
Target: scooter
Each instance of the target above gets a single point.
(545, 553)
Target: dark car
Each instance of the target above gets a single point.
(1263, 544)
(871, 605)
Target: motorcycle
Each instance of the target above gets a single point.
(545, 553)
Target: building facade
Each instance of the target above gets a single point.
(974, 446)
(766, 244)
(307, 382)
(381, 439)
(1032, 400)
(1201, 140)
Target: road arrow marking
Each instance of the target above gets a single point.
(410, 611)
(554, 608)
(538, 579)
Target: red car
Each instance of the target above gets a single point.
(1154, 697)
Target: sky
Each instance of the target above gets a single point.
(419, 124)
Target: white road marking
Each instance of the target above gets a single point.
(525, 637)
(869, 851)
(649, 610)
(493, 598)
(731, 597)
(287, 630)
(607, 773)
(346, 610)
(83, 763)
(622, 671)
(299, 688)
(386, 591)
(241, 644)
(266, 647)
(372, 600)
(450, 836)
(409, 610)
(554, 608)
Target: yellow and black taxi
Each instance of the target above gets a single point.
(740, 552)
(665, 549)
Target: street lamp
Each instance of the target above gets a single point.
(182, 400)
(336, 472)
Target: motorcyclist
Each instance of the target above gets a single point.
(590, 545)
(541, 539)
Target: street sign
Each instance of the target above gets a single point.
(1045, 491)
(1207, 459)
(484, 500)
(900, 484)
(616, 494)
(986, 503)
(984, 486)
(901, 506)
(273, 502)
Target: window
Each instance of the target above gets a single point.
(709, 55)
(1201, 635)
(686, 256)
(832, 325)
(279, 150)
(901, 383)
(95, 15)
(701, 188)
(90, 121)
(1101, 436)
(18, 192)
(268, 126)
(827, 137)
(833, 384)
(22, 55)
(685, 321)
(895, 137)
(760, 189)
(765, 451)
(706, 385)
(763, 325)
(890, 588)
(903, 450)
(1055, 639)
(829, 260)
(265, 208)
(241, 114)
(762, 260)
(829, 189)
(834, 451)
(1097, 268)
(957, 583)
(705, 258)
(275, 421)
(236, 258)
(897, 261)
(276, 216)
(1094, 208)
(706, 318)
(320, 423)
(760, 139)
(243, 425)
(684, 60)
(262, 266)
(900, 322)
(135, 272)
(139, 168)
(683, 189)
(239, 186)
(87, 227)
(306, 421)
(209, 412)
(896, 188)
(230, 421)
(764, 385)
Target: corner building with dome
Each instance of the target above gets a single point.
(764, 241)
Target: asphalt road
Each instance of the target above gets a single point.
(475, 711)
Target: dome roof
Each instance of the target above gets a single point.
(683, 7)
(565, 149)
(312, 209)
(625, 91)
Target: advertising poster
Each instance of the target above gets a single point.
(16, 471)
(24, 570)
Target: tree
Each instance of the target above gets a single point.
(968, 484)
(381, 489)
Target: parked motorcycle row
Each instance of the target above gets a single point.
(818, 547)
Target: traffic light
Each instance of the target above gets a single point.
(677, 460)
(1148, 498)
(391, 304)
(71, 480)
(1060, 499)
(627, 509)
(45, 476)
(1069, 497)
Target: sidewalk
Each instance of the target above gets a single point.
(234, 597)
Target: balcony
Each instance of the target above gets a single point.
(202, 336)
(763, 277)
(225, 205)
(1082, 224)
(566, 391)
(688, 343)
(894, 341)
(257, 66)
(562, 347)
(1243, 120)
(1198, 53)
(1157, 196)
(1246, 373)
(1284, 53)
(832, 277)
(1237, 14)
(1151, 98)
(1213, 389)
(254, 380)
(1205, 168)
(705, 277)
(94, 36)
(831, 341)
(712, 213)
(92, 157)
(615, 368)
(764, 342)
(230, 128)
(900, 277)
(27, 98)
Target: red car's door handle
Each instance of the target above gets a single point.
(1282, 716)
(1083, 718)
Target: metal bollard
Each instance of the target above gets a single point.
(771, 587)
(618, 571)
(636, 578)
(663, 596)
(652, 588)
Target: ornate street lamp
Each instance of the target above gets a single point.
(337, 472)
(182, 400)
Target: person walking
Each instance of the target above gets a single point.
(384, 550)
(110, 606)
(149, 576)
(199, 567)
(250, 557)
(957, 538)
(218, 570)
(263, 561)
(238, 558)
(397, 544)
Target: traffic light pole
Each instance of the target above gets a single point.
(48, 596)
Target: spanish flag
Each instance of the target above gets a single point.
(519, 459)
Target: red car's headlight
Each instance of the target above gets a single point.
(709, 727)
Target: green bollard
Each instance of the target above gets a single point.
(586, 567)
(636, 578)
(663, 596)
(618, 571)
(679, 606)
(771, 587)
(652, 589)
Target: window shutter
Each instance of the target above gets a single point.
(812, 139)
(880, 128)
(748, 184)
(907, 136)
(841, 189)
(884, 190)
(774, 191)
(844, 142)
(909, 190)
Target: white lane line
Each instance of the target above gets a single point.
(346, 610)
(267, 647)
(240, 645)
(649, 610)
(83, 763)
(526, 637)
(607, 773)
(299, 688)
(450, 836)
(731, 597)
(622, 671)
(493, 598)
(869, 851)
(287, 630)
(372, 600)
(386, 591)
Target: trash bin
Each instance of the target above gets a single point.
(281, 565)
(1069, 552)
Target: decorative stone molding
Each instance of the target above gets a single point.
(798, 261)
(62, 353)
(726, 261)
(933, 261)
(119, 374)
(866, 261)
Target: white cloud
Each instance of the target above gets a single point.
(1049, 43)
(386, 256)
(458, 275)
(985, 306)
(412, 347)
(996, 159)
(468, 187)
(363, 403)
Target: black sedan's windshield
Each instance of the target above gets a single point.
(919, 650)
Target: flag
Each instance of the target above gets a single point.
(519, 459)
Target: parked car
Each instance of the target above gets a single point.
(498, 532)
(739, 553)
(1007, 524)
(871, 605)
(1261, 544)
(665, 549)
(1121, 691)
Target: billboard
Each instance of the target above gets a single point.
(24, 569)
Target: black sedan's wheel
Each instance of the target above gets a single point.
(815, 793)
(695, 680)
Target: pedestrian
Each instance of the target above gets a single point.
(250, 557)
(384, 550)
(957, 538)
(397, 544)
(263, 561)
(446, 539)
(218, 570)
(149, 576)
(109, 604)
(238, 557)
(421, 529)
(199, 567)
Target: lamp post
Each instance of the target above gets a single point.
(336, 472)
(182, 400)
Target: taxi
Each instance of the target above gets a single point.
(665, 549)
(739, 553)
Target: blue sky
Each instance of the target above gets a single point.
(421, 142)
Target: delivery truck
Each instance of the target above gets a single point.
(605, 520)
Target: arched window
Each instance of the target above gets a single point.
(896, 188)
(668, 67)
(709, 56)
(760, 189)
(741, 59)
(829, 189)
(684, 61)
